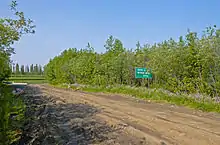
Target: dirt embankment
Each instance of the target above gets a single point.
(68, 117)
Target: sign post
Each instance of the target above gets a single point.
(143, 73)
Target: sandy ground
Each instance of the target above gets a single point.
(62, 116)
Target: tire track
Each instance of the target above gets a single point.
(158, 125)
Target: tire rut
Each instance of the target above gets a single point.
(156, 124)
(52, 120)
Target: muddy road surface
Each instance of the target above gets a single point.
(67, 117)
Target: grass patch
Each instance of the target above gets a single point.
(26, 78)
(30, 79)
(12, 116)
(28, 75)
(154, 95)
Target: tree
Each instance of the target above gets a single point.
(17, 69)
(11, 31)
(27, 69)
(14, 68)
(36, 69)
(40, 70)
(31, 68)
(22, 69)
(109, 43)
(89, 47)
(189, 65)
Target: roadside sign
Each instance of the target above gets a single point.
(143, 73)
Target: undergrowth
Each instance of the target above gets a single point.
(12, 116)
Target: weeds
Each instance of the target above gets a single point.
(12, 116)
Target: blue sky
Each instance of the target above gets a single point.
(74, 23)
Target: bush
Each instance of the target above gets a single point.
(11, 114)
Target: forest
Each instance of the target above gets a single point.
(190, 65)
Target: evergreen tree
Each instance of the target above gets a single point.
(17, 69)
(36, 69)
(31, 68)
(27, 69)
(22, 69)
(40, 70)
(14, 68)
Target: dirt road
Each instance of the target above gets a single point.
(71, 117)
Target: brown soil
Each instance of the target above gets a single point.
(72, 117)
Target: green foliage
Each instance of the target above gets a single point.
(4, 66)
(17, 69)
(10, 31)
(189, 65)
(30, 79)
(22, 69)
(10, 129)
(26, 70)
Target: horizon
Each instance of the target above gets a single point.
(73, 24)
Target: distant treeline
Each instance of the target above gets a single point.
(33, 69)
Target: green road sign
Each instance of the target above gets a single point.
(143, 73)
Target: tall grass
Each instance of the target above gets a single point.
(11, 116)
